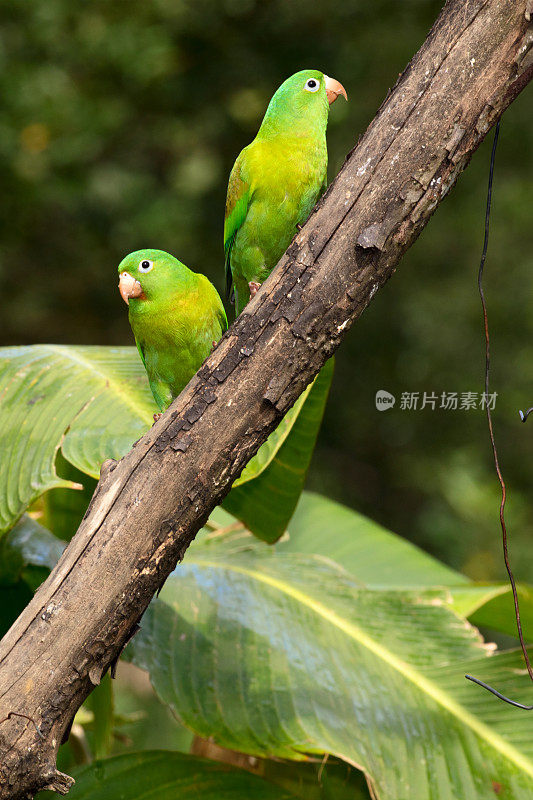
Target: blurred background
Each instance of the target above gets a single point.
(119, 126)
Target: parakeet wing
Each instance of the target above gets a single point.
(237, 204)
(222, 318)
(141, 351)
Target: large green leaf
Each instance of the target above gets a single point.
(492, 606)
(93, 402)
(317, 779)
(266, 494)
(282, 654)
(498, 612)
(379, 558)
(27, 544)
(27, 553)
(372, 554)
(63, 509)
(163, 775)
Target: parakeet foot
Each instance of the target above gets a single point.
(156, 416)
(213, 345)
(254, 288)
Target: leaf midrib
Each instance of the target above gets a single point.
(411, 674)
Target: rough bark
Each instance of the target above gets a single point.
(149, 506)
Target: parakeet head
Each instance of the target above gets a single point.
(150, 275)
(302, 102)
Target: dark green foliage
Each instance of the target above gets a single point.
(170, 775)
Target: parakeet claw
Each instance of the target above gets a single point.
(213, 345)
(254, 288)
(157, 416)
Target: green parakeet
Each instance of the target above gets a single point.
(277, 180)
(176, 316)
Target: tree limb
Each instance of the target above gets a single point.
(148, 507)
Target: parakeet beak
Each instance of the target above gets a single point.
(334, 89)
(129, 287)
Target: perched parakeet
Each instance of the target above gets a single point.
(277, 180)
(176, 316)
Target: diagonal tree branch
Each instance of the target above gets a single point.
(148, 507)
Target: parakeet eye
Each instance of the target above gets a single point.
(146, 266)
(312, 85)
